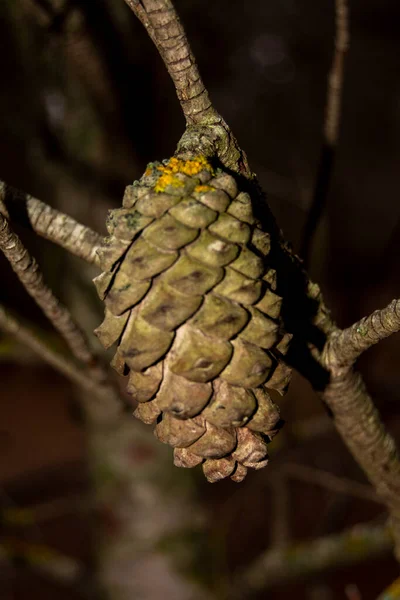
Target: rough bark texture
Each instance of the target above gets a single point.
(344, 347)
(49, 223)
(358, 422)
(207, 133)
(164, 27)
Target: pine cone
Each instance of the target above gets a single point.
(192, 303)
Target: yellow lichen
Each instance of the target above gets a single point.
(167, 179)
(174, 166)
(203, 188)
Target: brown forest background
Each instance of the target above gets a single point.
(85, 103)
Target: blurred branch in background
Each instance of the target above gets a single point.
(329, 481)
(304, 559)
(21, 516)
(331, 129)
(58, 361)
(47, 562)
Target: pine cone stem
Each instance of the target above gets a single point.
(165, 29)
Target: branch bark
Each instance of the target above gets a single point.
(353, 410)
(165, 29)
(359, 424)
(331, 127)
(49, 223)
(344, 347)
(30, 276)
(206, 133)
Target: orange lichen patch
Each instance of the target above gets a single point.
(204, 188)
(176, 166)
(188, 167)
(167, 179)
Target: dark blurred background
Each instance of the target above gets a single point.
(85, 103)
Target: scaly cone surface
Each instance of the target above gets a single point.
(191, 301)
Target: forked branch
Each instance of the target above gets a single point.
(49, 223)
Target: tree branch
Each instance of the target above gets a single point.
(353, 410)
(30, 276)
(206, 132)
(49, 223)
(165, 29)
(307, 558)
(59, 362)
(334, 100)
(344, 347)
(331, 128)
(359, 424)
(329, 481)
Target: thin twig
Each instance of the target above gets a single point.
(59, 362)
(30, 276)
(49, 223)
(334, 100)
(330, 481)
(304, 559)
(344, 347)
(331, 128)
(165, 29)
